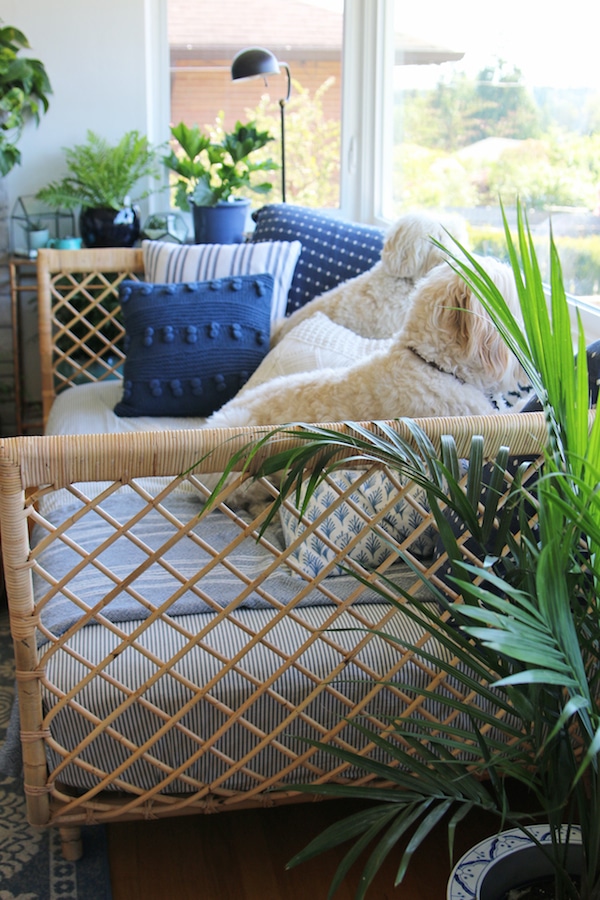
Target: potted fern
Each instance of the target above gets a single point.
(527, 623)
(210, 172)
(101, 180)
(24, 90)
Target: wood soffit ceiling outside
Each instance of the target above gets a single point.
(292, 30)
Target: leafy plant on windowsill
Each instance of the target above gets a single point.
(24, 90)
(212, 171)
(527, 632)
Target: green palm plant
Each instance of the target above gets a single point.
(526, 630)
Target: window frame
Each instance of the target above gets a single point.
(367, 53)
(367, 97)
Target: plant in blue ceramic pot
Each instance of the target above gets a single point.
(209, 173)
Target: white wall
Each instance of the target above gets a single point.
(108, 64)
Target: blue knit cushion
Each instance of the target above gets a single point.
(190, 347)
(333, 250)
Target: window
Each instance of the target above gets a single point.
(204, 37)
(398, 106)
(507, 106)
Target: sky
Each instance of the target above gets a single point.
(553, 46)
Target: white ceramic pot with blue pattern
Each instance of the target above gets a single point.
(504, 861)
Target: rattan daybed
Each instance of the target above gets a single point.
(170, 663)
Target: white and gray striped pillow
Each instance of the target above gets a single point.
(174, 263)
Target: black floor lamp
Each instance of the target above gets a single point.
(257, 61)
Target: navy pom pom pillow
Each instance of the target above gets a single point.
(190, 347)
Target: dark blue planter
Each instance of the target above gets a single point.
(224, 223)
(105, 227)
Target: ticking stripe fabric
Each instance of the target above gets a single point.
(235, 713)
(165, 262)
(202, 665)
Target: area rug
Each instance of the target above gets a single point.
(31, 865)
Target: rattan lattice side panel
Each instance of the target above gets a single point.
(80, 328)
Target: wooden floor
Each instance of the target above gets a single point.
(242, 856)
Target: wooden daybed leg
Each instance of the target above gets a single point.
(70, 842)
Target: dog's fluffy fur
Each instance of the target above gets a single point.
(447, 361)
(374, 304)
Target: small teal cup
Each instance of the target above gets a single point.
(66, 243)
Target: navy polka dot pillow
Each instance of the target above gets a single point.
(190, 347)
(333, 250)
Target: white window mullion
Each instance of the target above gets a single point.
(366, 107)
(157, 86)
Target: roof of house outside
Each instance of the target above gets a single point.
(294, 29)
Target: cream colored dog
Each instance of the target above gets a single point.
(374, 304)
(447, 361)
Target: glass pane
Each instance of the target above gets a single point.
(501, 104)
(204, 37)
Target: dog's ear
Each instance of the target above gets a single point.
(468, 342)
(408, 251)
(477, 338)
(453, 312)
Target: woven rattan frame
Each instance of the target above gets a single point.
(80, 327)
(32, 468)
(27, 467)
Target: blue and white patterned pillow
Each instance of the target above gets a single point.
(173, 263)
(344, 523)
(333, 250)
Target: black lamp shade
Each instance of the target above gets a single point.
(254, 61)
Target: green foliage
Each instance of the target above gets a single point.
(543, 173)
(580, 257)
(557, 171)
(24, 89)
(503, 107)
(461, 110)
(526, 629)
(103, 175)
(432, 178)
(543, 164)
(312, 145)
(209, 171)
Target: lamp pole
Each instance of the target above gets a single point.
(282, 105)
